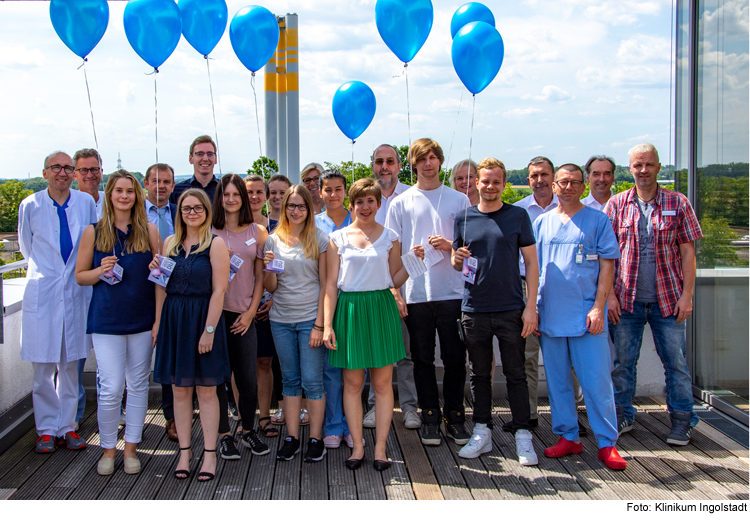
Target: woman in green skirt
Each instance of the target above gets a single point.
(364, 263)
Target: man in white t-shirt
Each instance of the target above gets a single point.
(424, 215)
(600, 173)
(386, 166)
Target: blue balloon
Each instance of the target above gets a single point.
(254, 33)
(471, 12)
(404, 25)
(477, 53)
(203, 23)
(153, 29)
(353, 108)
(80, 24)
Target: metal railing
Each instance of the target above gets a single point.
(14, 266)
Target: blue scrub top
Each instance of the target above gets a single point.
(567, 289)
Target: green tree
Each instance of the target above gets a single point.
(35, 184)
(715, 248)
(265, 167)
(510, 195)
(12, 193)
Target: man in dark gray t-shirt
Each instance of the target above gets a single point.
(486, 243)
(645, 287)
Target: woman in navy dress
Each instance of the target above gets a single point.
(191, 350)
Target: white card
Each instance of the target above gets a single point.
(250, 242)
(431, 255)
(669, 213)
(414, 265)
(592, 257)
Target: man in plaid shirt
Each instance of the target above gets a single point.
(654, 280)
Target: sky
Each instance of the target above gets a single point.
(580, 77)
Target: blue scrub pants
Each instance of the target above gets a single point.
(81, 391)
(589, 355)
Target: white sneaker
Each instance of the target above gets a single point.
(369, 420)
(525, 449)
(481, 442)
(412, 420)
(75, 426)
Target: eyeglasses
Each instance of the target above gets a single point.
(57, 168)
(201, 154)
(307, 181)
(96, 171)
(186, 209)
(292, 207)
(564, 184)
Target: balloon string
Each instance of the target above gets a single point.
(213, 110)
(91, 108)
(408, 122)
(156, 119)
(471, 140)
(257, 123)
(353, 160)
(455, 127)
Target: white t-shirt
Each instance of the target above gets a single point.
(364, 269)
(416, 215)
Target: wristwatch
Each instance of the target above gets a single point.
(209, 329)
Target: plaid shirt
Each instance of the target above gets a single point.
(671, 230)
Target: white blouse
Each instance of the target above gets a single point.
(364, 269)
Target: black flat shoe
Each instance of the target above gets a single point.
(354, 463)
(381, 465)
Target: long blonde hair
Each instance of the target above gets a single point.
(106, 237)
(308, 238)
(180, 229)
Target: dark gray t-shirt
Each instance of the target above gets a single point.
(645, 286)
(494, 239)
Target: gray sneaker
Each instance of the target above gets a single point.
(680, 433)
(369, 420)
(45, 444)
(73, 441)
(412, 420)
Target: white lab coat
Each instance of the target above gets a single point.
(52, 296)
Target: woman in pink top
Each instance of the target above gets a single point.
(233, 222)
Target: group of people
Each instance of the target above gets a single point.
(247, 287)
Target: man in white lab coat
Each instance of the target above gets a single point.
(53, 333)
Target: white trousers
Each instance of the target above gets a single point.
(122, 359)
(55, 405)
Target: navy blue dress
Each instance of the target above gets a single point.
(183, 319)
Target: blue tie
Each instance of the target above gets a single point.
(66, 242)
(163, 225)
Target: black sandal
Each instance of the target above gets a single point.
(205, 474)
(267, 430)
(182, 474)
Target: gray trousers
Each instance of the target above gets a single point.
(407, 391)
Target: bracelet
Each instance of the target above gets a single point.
(318, 328)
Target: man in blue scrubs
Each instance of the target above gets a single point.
(577, 248)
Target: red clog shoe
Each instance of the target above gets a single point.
(612, 458)
(563, 447)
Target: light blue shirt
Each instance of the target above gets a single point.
(568, 283)
(152, 212)
(325, 224)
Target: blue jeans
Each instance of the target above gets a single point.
(301, 366)
(333, 384)
(669, 339)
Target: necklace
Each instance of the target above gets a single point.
(366, 234)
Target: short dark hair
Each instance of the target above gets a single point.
(395, 150)
(570, 167)
(539, 160)
(218, 219)
(201, 139)
(421, 148)
(365, 187)
(281, 178)
(592, 159)
(161, 167)
(329, 174)
(87, 153)
(257, 178)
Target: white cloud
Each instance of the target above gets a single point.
(644, 48)
(550, 93)
(521, 112)
(126, 92)
(20, 58)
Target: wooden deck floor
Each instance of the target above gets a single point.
(711, 467)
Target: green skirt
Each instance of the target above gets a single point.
(368, 331)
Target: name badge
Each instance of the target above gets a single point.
(113, 276)
(161, 275)
(275, 266)
(235, 263)
(469, 270)
(669, 213)
(250, 242)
